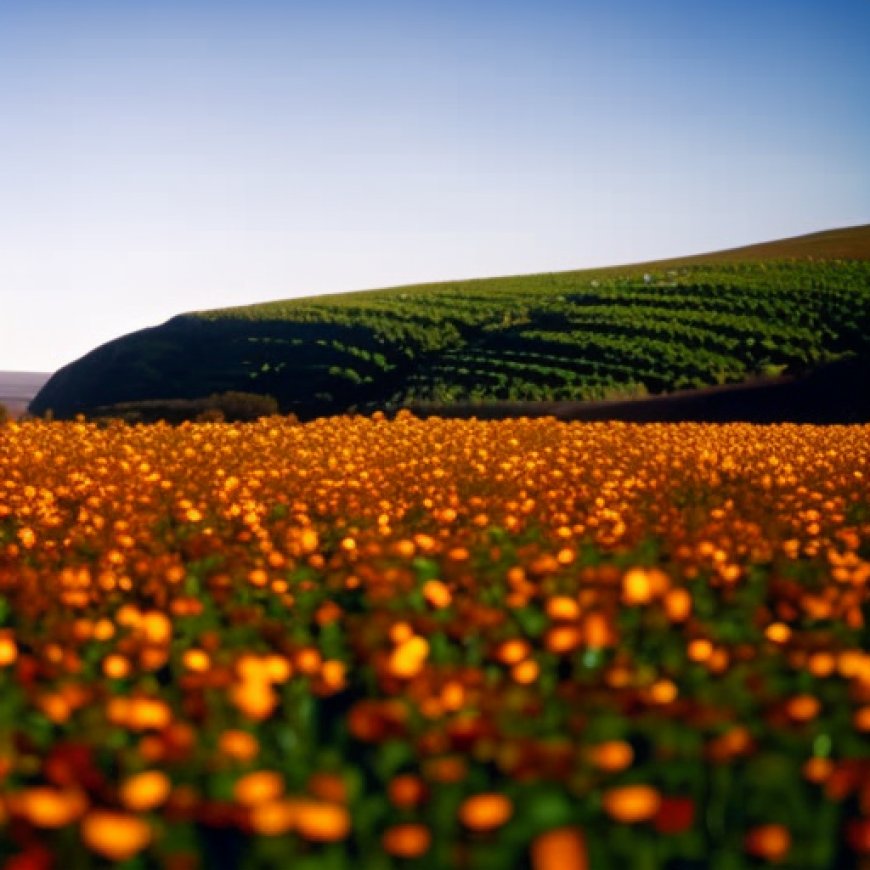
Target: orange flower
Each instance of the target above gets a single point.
(612, 756)
(803, 708)
(526, 672)
(8, 648)
(861, 719)
(145, 791)
(631, 803)
(255, 699)
(322, 822)
(196, 660)
(47, 807)
(406, 790)
(409, 840)
(257, 787)
(637, 587)
(817, 769)
(700, 649)
(409, 657)
(156, 627)
(273, 818)
(769, 842)
(678, 604)
(114, 835)
(560, 849)
(330, 787)
(562, 607)
(513, 651)
(116, 666)
(437, 594)
(485, 812)
(239, 745)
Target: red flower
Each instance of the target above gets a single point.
(675, 815)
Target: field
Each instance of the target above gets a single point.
(443, 643)
(624, 332)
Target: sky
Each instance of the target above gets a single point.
(162, 156)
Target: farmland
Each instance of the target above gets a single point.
(442, 643)
(615, 333)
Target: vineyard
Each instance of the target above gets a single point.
(571, 336)
(435, 644)
(547, 337)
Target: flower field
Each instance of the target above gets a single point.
(370, 643)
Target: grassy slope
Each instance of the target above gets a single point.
(846, 243)
(789, 305)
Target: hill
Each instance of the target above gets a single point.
(845, 243)
(784, 307)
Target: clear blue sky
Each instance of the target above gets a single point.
(167, 155)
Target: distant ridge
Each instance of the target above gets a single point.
(780, 308)
(845, 243)
(17, 389)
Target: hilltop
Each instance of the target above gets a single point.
(784, 308)
(845, 243)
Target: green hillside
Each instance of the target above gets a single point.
(787, 306)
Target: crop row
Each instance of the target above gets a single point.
(685, 327)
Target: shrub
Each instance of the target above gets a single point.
(242, 406)
(231, 406)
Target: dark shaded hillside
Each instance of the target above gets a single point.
(566, 337)
(189, 358)
(836, 393)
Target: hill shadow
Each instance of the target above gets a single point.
(836, 393)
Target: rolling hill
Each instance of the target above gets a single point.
(790, 307)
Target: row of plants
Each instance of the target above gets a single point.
(681, 327)
(665, 330)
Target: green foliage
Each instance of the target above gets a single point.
(570, 336)
(581, 335)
